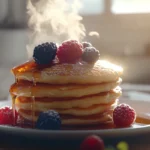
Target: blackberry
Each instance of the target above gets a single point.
(45, 53)
(49, 120)
(90, 54)
(86, 44)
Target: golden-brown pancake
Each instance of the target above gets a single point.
(76, 111)
(65, 103)
(74, 120)
(81, 93)
(27, 89)
(79, 73)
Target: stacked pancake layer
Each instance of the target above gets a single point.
(81, 93)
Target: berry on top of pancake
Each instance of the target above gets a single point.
(70, 51)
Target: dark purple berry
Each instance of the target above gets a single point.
(90, 54)
(45, 53)
(86, 44)
(49, 120)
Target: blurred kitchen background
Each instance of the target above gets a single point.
(123, 26)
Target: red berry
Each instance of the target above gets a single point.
(69, 52)
(92, 143)
(6, 116)
(123, 115)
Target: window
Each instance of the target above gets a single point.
(90, 7)
(130, 6)
(123, 25)
(94, 7)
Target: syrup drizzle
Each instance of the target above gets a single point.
(33, 97)
(14, 108)
(16, 80)
(33, 89)
(28, 66)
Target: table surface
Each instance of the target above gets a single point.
(135, 143)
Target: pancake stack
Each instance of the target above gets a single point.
(82, 93)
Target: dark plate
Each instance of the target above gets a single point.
(23, 137)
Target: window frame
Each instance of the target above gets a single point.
(130, 31)
(139, 18)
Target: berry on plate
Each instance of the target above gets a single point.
(45, 53)
(48, 120)
(69, 52)
(86, 44)
(90, 54)
(92, 142)
(7, 117)
(124, 115)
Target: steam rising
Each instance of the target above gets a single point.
(94, 33)
(53, 20)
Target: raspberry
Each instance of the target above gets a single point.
(92, 143)
(90, 54)
(86, 44)
(49, 120)
(6, 116)
(124, 115)
(69, 52)
(45, 53)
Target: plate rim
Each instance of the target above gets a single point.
(73, 134)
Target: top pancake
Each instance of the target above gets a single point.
(79, 73)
